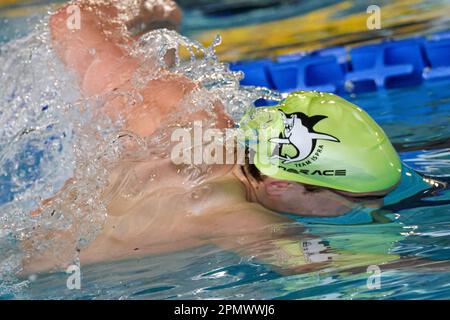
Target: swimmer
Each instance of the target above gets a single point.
(330, 155)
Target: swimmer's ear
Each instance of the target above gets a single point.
(276, 187)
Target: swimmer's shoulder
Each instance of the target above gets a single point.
(226, 196)
(217, 195)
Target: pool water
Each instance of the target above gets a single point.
(414, 223)
(266, 28)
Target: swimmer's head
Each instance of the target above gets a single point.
(321, 142)
(304, 199)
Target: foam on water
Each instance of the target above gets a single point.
(46, 138)
(50, 145)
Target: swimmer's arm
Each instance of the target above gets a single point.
(99, 50)
(96, 53)
(95, 48)
(258, 233)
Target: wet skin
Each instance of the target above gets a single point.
(164, 214)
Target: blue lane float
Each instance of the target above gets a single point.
(385, 65)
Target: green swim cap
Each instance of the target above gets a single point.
(321, 139)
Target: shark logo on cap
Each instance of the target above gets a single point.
(299, 133)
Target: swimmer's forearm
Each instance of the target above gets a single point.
(104, 66)
(93, 49)
(97, 48)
